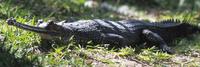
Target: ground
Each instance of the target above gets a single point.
(19, 47)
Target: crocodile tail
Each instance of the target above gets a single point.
(31, 28)
(170, 21)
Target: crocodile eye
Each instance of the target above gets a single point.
(40, 21)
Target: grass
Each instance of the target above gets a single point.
(18, 48)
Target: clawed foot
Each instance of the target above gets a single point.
(11, 21)
(167, 49)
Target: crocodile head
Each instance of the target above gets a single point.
(51, 26)
(41, 29)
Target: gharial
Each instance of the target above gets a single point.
(116, 33)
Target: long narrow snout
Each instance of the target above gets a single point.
(12, 21)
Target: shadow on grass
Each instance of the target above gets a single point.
(9, 59)
(188, 45)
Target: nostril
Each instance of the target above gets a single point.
(10, 21)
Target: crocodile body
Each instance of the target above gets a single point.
(115, 33)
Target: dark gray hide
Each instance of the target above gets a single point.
(116, 33)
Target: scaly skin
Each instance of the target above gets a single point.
(116, 33)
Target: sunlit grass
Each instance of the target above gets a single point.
(23, 41)
(152, 56)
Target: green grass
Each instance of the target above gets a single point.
(18, 48)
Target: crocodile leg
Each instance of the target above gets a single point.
(45, 45)
(155, 38)
(117, 40)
